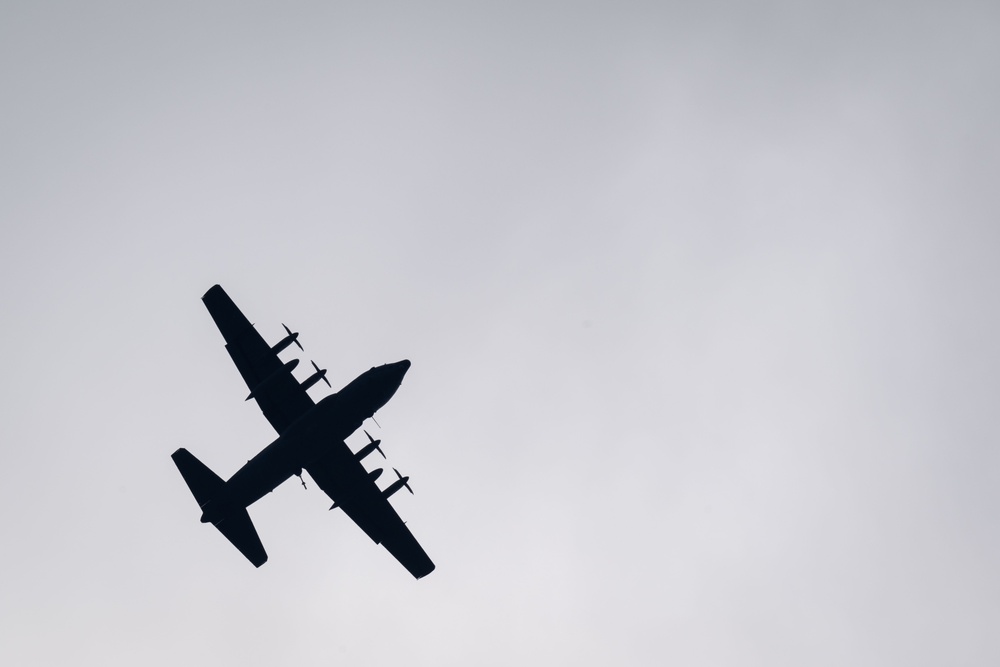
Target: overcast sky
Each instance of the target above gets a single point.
(701, 300)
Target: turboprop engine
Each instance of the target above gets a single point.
(287, 367)
(287, 340)
(320, 374)
(397, 485)
(373, 445)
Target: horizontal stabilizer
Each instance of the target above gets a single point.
(233, 522)
(238, 529)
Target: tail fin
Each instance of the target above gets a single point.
(233, 522)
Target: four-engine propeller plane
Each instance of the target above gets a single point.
(310, 437)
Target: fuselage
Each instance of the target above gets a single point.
(320, 432)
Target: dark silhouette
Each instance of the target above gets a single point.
(310, 437)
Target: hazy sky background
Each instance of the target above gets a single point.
(701, 302)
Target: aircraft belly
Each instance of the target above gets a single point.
(262, 474)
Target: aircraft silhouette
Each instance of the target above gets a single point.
(310, 437)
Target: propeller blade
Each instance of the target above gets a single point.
(294, 340)
(323, 374)
(372, 440)
(404, 482)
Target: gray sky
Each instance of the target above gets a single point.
(701, 304)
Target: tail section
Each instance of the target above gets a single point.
(238, 529)
(204, 484)
(232, 521)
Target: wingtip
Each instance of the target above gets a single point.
(214, 289)
(420, 574)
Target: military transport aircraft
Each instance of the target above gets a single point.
(310, 437)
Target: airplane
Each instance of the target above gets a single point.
(311, 437)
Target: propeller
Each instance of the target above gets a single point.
(404, 480)
(373, 444)
(322, 375)
(294, 340)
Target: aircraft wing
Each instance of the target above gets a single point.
(280, 396)
(345, 480)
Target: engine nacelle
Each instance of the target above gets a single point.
(286, 341)
(372, 446)
(320, 374)
(287, 367)
(397, 485)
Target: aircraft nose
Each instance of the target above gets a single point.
(399, 370)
